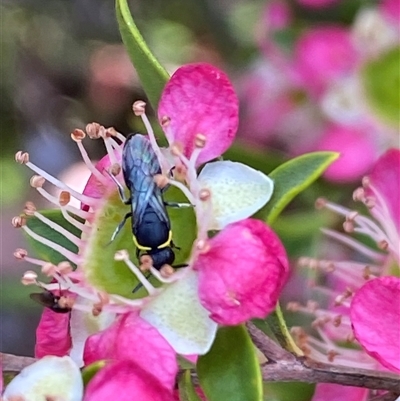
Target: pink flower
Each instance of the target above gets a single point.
(200, 122)
(358, 151)
(323, 54)
(127, 381)
(364, 297)
(317, 3)
(242, 272)
(276, 16)
(131, 338)
(391, 10)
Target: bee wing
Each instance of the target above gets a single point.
(139, 166)
(43, 298)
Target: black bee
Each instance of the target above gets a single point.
(151, 226)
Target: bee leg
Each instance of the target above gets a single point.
(140, 285)
(119, 227)
(178, 205)
(180, 265)
(120, 188)
(174, 246)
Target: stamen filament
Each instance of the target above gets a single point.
(352, 243)
(74, 222)
(59, 184)
(56, 247)
(162, 279)
(56, 227)
(55, 201)
(110, 151)
(90, 165)
(135, 303)
(165, 166)
(185, 191)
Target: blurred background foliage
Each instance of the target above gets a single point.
(63, 66)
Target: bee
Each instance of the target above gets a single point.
(151, 226)
(51, 301)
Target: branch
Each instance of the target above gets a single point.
(15, 363)
(287, 367)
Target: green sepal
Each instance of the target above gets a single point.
(381, 84)
(43, 251)
(186, 389)
(230, 370)
(293, 177)
(152, 74)
(89, 371)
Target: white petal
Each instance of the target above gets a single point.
(83, 324)
(52, 377)
(178, 315)
(237, 191)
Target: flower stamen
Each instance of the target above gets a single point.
(123, 255)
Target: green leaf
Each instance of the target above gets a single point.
(37, 226)
(230, 370)
(186, 389)
(89, 371)
(151, 73)
(285, 391)
(381, 81)
(293, 177)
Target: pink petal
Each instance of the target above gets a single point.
(94, 188)
(323, 54)
(199, 99)
(52, 334)
(357, 152)
(336, 392)
(126, 381)
(317, 3)
(130, 337)
(375, 316)
(277, 15)
(243, 272)
(391, 10)
(385, 177)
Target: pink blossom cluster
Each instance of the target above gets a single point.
(358, 325)
(234, 276)
(309, 95)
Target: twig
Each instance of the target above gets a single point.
(386, 397)
(15, 363)
(285, 368)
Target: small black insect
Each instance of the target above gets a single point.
(151, 226)
(49, 300)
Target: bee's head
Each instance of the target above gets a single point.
(161, 257)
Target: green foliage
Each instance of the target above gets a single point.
(381, 81)
(230, 370)
(152, 74)
(293, 177)
(42, 229)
